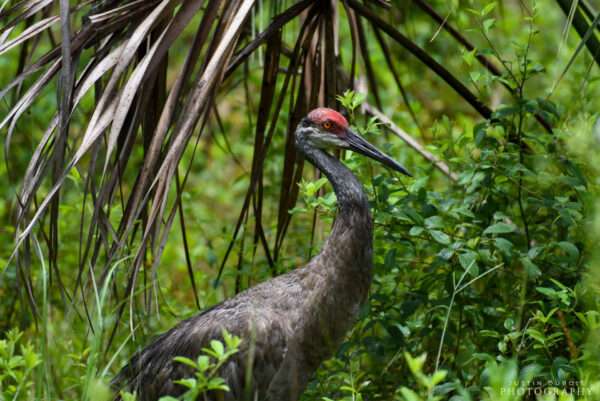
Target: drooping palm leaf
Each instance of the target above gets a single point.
(582, 17)
(587, 25)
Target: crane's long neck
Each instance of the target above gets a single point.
(349, 247)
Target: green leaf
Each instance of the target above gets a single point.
(414, 216)
(468, 260)
(504, 245)
(534, 252)
(475, 75)
(405, 330)
(533, 271)
(217, 346)
(98, 391)
(189, 382)
(217, 383)
(489, 333)
(438, 376)
(536, 335)
(505, 112)
(30, 357)
(446, 253)
(434, 222)
(488, 9)
(203, 363)
(509, 324)
(549, 292)
(126, 396)
(415, 231)
(440, 237)
(488, 24)
(185, 361)
(351, 100)
(409, 395)
(415, 364)
(390, 259)
(469, 57)
(571, 250)
(500, 228)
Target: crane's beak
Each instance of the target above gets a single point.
(359, 145)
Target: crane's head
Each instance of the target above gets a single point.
(325, 128)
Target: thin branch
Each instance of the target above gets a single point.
(410, 141)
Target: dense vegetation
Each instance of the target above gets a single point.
(143, 186)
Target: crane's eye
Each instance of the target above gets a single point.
(327, 125)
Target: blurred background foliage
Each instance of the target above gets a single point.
(486, 262)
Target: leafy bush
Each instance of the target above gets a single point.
(18, 361)
(481, 273)
(206, 369)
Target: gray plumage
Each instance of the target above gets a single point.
(288, 324)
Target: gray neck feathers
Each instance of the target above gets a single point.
(348, 190)
(351, 239)
(343, 267)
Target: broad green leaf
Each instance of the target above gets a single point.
(489, 333)
(571, 250)
(409, 395)
(217, 346)
(536, 335)
(549, 292)
(468, 260)
(434, 222)
(415, 231)
(203, 363)
(504, 245)
(188, 382)
(533, 271)
(500, 228)
(440, 237)
(185, 361)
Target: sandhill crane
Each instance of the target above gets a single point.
(293, 322)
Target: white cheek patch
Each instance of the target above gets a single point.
(327, 141)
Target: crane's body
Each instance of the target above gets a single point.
(293, 322)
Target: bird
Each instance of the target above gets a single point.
(291, 323)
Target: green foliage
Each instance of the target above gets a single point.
(311, 199)
(505, 382)
(427, 382)
(18, 361)
(206, 368)
(481, 274)
(351, 100)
